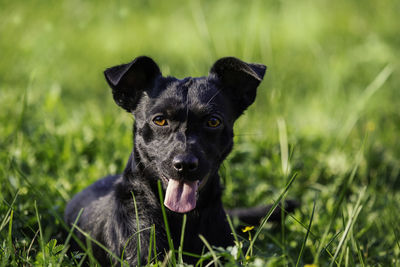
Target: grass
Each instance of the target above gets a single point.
(327, 111)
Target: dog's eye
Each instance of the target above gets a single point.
(160, 121)
(213, 122)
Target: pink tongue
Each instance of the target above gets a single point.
(181, 196)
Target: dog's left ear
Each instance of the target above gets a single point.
(240, 78)
(128, 81)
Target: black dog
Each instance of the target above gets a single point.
(183, 131)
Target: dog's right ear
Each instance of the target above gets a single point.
(240, 79)
(128, 81)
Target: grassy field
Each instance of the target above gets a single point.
(328, 112)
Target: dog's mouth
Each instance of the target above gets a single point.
(181, 196)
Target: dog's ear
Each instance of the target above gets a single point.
(128, 81)
(238, 79)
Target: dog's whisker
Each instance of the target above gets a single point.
(208, 102)
(250, 134)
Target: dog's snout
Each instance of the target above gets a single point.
(185, 163)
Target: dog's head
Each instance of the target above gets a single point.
(184, 128)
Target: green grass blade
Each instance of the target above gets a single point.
(350, 223)
(155, 244)
(150, 244)
(397, 237)
(214, 256)
(89, 251)
(284, 147)
(130, 238)
(306, 236)
(371, 89)
(265, 219)
(91, 239)
(67, 240)
(31, 244)
(82, 261)
(329, 243)
(10, 245)
(137, 230)
(359, 251)
(346, 183)
(180, 258)
(41, 241)
(7, 215)
(194, 255)
(241, 254)
(170, 242)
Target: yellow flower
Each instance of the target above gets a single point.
(247, 228)
(370, 126)
(311, 265)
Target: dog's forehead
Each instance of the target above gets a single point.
(196, 94)
(192, 90)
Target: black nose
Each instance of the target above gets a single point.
(185, 163)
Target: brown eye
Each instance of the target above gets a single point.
(213, 122)
(160, 121)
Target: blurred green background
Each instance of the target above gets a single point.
(327, 110)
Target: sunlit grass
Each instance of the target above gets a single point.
(327, 111)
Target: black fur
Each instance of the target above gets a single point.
(189, 148)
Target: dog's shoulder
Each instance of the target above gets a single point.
(90, 199)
